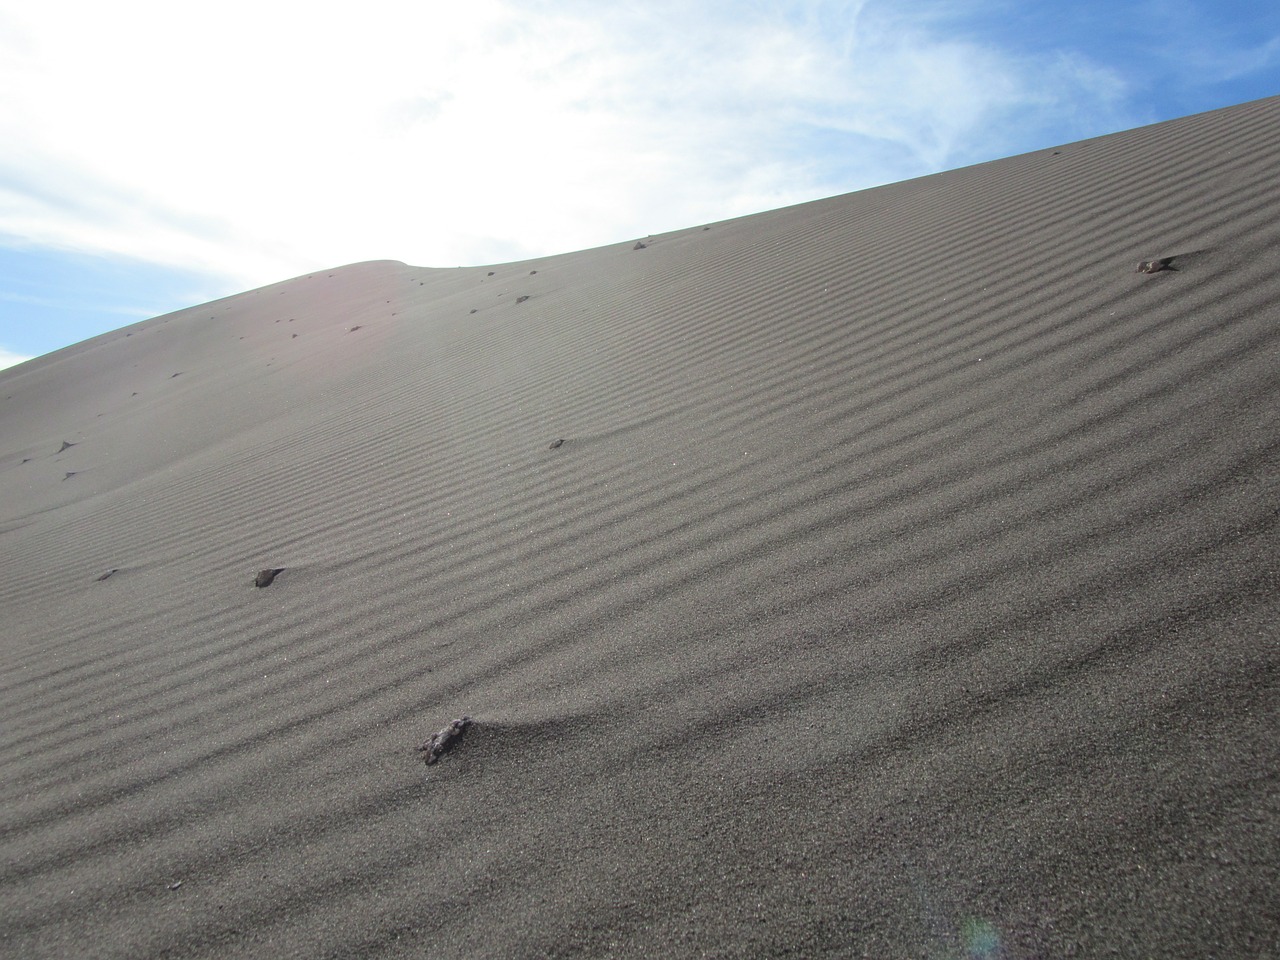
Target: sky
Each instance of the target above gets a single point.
(155, 155)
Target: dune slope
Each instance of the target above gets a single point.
(905, 584)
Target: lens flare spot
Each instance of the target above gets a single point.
(981, 941)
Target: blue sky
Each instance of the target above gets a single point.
(159, 155)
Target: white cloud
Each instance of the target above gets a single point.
(8, 358)
(260, 140)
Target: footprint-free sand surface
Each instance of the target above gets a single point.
(906, 584)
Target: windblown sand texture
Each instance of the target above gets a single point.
(905, 585)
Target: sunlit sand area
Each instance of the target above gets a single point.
(893, 575)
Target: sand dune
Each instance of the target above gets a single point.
(905, 584)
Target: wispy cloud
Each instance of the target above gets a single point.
(1199, 44)
(8, 358)
(255, 141)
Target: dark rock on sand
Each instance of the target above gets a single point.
(265, 577)
(440, 743)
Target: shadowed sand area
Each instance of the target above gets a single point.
(905, 585)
